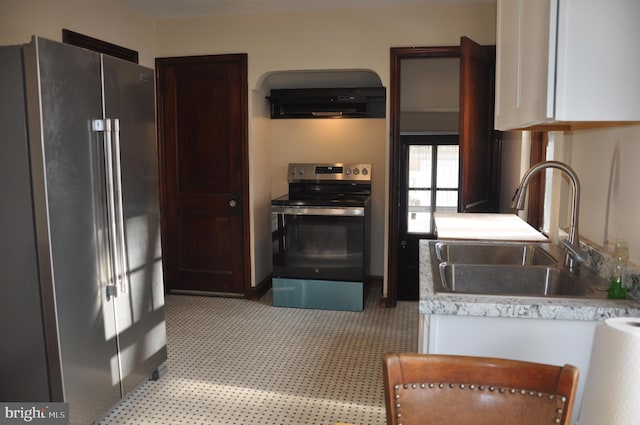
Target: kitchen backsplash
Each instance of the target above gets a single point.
(601, 261)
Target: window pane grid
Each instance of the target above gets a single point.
(432, 179)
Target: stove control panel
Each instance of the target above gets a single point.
(327, 172)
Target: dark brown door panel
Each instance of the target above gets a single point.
(480, 175)
(203, 116)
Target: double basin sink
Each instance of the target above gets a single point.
(509, 269)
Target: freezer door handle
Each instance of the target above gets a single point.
(115, 211)
(117, 187)
(112, 290)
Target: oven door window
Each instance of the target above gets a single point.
(318, 247)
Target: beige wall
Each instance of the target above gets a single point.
(326, 40)
(429, 94)
(607, 162)
(107, 20)
(357, 39)
(430, 85)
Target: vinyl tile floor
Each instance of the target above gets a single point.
(235, 361)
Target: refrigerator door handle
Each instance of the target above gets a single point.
(105, 126)
(120, 224)
(111, 206)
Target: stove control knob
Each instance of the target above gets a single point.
(356, 171)
(365, 171)
(301, 171)
(294, 170)
(347, 171)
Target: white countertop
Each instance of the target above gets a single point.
(483, 226)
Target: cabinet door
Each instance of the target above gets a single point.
(566, 61)
(506, 64)
(525, 66)
(598, 70)
(536, 61)
(535, 340)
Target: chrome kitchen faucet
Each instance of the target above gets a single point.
(575, 255)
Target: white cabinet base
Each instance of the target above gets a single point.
(556, 342)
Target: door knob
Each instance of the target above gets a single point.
(233, 203)
(403, 244)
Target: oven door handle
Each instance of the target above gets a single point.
(332, 211)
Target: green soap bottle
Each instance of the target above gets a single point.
(617, 288)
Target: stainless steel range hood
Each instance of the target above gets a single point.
(339, 102)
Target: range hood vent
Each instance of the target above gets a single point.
(341, 102)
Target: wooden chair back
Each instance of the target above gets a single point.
(429, 389)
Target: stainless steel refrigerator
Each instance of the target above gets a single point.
(81, 292)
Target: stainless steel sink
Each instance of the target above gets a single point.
(541, 281)
(509, 269)
(493, 253)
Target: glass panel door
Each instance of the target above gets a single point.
(433, 172)
(429, 173)
(446, 185)
(419, 189)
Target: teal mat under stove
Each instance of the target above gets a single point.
(319, 294)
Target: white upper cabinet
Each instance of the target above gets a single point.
(567, 62)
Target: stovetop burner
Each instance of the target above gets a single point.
(347, 185)
(321, 201)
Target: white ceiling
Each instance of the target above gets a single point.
(189, 8)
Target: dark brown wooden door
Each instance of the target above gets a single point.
(479, 150)
(202, 119)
